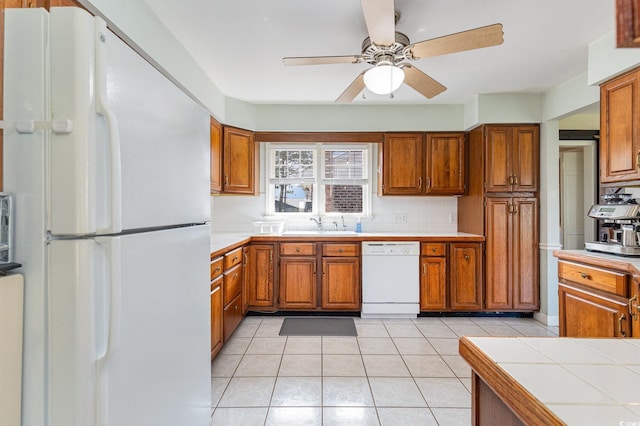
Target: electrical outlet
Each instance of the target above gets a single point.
(400, 218)
(453, 217)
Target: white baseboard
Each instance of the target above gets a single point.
(550, 320)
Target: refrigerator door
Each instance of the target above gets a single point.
(138, 155)
(129, 329)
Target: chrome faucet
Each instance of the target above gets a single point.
(318, 222)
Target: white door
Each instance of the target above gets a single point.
(129, 329)
(160, 173)
(573, 214)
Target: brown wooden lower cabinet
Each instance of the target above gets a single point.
(259, 276)
(341, 283)
(512, 254)
(433, 283)
(595, 301)
(232, 316)
(298, 282)
(465, 260)
(216, 316)
(451, 277)
(588, 313)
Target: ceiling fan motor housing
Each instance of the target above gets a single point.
(374, 54)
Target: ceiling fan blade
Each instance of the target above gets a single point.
(321, 60)
(379, 15)
(353, 90)
(420, 82)
(490, 35)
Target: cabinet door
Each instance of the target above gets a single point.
(634, 307)
(585, 313)
(619, 129)
(215, 142)
(433, 283)
(298, 288)
(524, 253)
(498, 248)
(402, 164)
(498, 146)
(216, 316)
(232, 315)
(341, 283)
(465, 261)
(445, 164)
(259, 276)
(239, 161)
(526, 159)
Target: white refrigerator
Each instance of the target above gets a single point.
(109, 164)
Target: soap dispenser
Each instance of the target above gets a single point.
(358, 225)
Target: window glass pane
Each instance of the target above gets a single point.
(344, 164)
(343, 198)
(293, 197)
(291, 164)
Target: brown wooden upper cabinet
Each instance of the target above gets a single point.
(512, 158)
(619, 129)
(216, 155)
(233, 160)
(422, 164)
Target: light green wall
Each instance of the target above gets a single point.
(134, 22)
(359, 118)
(606, 61)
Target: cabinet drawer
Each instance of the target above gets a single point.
(232, 258)
(600, 279)
(216, 282)
(350, 250)
(302, 249)
(433, 249)
(232, 316)
(216, 267)
(232, 284)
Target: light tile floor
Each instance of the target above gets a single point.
(396, 372)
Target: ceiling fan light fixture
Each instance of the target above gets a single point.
(383, 79)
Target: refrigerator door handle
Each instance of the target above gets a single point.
(114, 254)
(103, 108)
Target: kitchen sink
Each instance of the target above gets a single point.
(317, 232)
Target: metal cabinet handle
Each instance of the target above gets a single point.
(297, 249)
(226, 180)
(433, 249)
(621, 318)
(340, 250)
(217, 269)
(420, 182)
(585, 276)
(634, 315)
(638, 160)
(515, 180)
(428, 182)
(466, 257)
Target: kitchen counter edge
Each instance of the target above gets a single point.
(222, 243)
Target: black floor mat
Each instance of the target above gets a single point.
(318, 326)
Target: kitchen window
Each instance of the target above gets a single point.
(318, 180)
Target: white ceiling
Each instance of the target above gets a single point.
(241, 43)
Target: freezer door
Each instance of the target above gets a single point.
(129, 329)
(138, 155)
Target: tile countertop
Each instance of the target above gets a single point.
(561, 380)
(221, 241)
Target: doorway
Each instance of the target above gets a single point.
(578, 192)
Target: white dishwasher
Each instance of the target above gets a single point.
(390, 279)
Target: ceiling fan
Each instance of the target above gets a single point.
(385, 48)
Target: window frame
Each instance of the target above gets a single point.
(320, 182)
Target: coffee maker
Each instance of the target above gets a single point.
(619, 218)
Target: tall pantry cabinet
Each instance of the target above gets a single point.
(503, 185)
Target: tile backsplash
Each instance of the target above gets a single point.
(390, 214)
